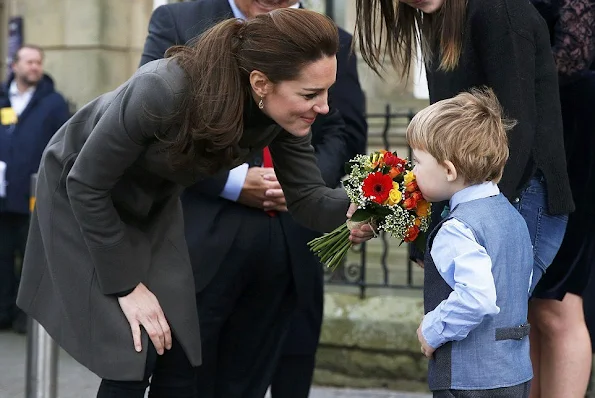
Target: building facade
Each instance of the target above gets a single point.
(92, 46)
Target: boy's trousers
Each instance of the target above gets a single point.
(518, 391)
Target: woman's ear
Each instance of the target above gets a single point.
(451, 171)
(260, 83)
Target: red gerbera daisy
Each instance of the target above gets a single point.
(377, 186)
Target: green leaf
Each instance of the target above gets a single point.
(361, 215)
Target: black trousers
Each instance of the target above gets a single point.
(518, 391)
(172, 376)
(14, 228)
(244, 312)
(293, 376)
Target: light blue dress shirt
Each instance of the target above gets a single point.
(237, 177)
(467, 269)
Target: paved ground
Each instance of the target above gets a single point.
(74, 381)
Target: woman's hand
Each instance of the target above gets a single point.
(142, 308)
(362, 233)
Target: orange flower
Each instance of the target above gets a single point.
(411, 233)
(411, 187)
(409, 203)
(394, 172)
(423, 208)
(417, 196)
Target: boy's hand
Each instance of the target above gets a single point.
(426, 349)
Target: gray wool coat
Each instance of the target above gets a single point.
(108, 216)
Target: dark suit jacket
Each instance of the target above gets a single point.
(336, 139)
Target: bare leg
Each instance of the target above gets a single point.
(563, 351)
(535, 344)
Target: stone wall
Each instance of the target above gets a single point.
(91, 46)
(371, 343)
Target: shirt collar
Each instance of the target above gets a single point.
(13, 90)
(473, 192)
(239, 14)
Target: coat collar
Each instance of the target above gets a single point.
(43, 88)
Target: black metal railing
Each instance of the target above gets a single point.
(387, 131)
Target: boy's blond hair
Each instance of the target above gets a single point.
(467, 130)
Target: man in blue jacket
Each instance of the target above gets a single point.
(31, 111)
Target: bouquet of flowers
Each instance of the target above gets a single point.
(383, 187)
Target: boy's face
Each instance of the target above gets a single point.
(432, 177)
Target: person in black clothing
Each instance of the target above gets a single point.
(502, 44)
(560, 341)
(247, 293)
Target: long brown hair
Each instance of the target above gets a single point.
(218, 66)
(393, 28)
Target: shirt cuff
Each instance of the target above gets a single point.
(433, 337)
(235, 183)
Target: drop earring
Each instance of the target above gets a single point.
(261, 104)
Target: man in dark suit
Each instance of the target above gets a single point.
(250, 259)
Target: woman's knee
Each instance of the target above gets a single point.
(553, 317)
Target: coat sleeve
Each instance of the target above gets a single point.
(120, 253)
(309, 201)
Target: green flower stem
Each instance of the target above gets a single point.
(322, 240)
(332, 247)
(329, 240)
(338, 244)
(338, 257)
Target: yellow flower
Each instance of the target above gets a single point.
(409, 176)
(377, 159)
(394, 196)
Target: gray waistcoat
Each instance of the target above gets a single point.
(496, 353)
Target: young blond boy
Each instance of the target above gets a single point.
(479, 259)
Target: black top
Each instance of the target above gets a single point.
(506, 47)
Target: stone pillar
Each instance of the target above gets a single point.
(91, 46)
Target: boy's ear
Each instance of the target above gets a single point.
(451, 171)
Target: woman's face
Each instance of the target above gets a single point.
(295, 104)
(427, 6)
